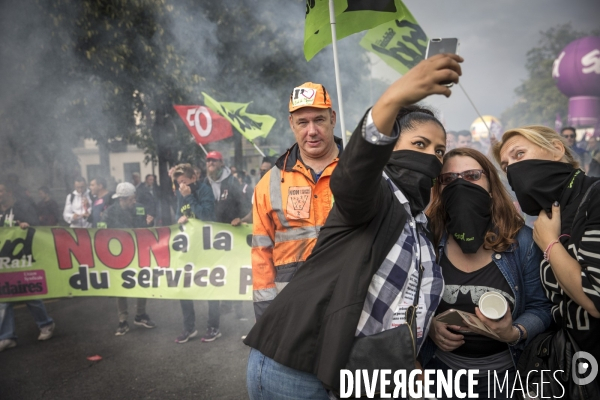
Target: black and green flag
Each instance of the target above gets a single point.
(249, 125)
(401, 43)
(351, 16)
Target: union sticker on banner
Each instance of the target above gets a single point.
(298, 202)
(303, 96)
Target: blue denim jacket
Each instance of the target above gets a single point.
(520, 265)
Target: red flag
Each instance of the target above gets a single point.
(204, 124)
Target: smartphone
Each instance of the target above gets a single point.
(441, 46)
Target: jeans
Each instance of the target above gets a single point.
(214, 313)
(269, 380)
(189, 315)
(122, 308)
(7, 317)
(482, 383)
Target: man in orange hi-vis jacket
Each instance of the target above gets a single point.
(292, 201)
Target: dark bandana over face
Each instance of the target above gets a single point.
(414, 173)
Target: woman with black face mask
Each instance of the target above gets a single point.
(482, 246)
(548, 183)
(373, 258)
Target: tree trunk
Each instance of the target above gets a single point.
(166, 190)
(161, 138)
(238, 158)
(104, 153)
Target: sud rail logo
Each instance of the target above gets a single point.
(428, 384)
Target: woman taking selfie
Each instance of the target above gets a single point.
(483, 246)
(355, 284)
(549, 184)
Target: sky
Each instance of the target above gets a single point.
(494, 39)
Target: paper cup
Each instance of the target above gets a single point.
(493, 305)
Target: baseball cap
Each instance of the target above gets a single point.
(124, 189)
(309, 94)
(215, 154)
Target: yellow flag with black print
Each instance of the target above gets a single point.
(351, 16)
(249, 125)
(401, 43)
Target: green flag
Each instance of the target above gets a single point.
(249, 125)
(400, 43)
(351, 16)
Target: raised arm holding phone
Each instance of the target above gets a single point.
(381, 187)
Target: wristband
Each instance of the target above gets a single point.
(521, 334)
(547, 252)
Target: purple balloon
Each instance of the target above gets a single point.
(577, 68)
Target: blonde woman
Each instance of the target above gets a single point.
(548, 183)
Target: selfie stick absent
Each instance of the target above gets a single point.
(477, 111)
(336, 68)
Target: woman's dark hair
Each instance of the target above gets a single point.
(44, 189)
(410, 117)
(506, 221)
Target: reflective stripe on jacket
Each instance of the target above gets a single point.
(288, 210)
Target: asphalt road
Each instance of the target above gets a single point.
(143, 364)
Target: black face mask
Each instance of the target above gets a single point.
(468, 207)
(538, 183)
(414, 173)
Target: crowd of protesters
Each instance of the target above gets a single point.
(405, 223)
(220, 195)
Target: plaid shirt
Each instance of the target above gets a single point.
(390, 281)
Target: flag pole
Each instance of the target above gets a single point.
(336, 68)
(477, 111)
(203, 149)
(257, 149)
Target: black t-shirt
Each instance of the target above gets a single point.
(462, 291)
(584, 246)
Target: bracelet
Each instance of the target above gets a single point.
(547, 252)
(521, 333)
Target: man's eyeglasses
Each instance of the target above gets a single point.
(572, 136)
(212, 160)
(470, 175)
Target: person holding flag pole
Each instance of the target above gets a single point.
(304, 338)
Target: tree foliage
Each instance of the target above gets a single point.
(539, 100)
(113, 69)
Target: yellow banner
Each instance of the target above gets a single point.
(195, 261)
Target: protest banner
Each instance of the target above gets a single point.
(351, 17)
(195, 261)
(204, 124)
(400, 43)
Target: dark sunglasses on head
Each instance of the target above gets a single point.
(569, 136)
(470, 175)
(212, 160)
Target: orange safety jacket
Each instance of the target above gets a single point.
(288, 211)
